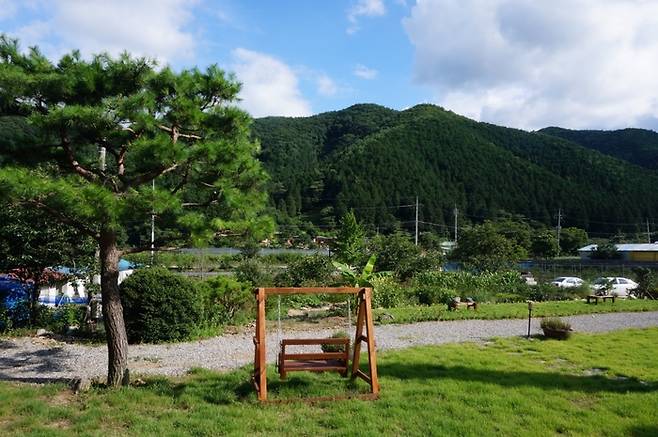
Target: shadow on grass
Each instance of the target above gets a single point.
(214, 388)
(544, 380)
(643, 431)
(227, 388)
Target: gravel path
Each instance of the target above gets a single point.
(41, 359)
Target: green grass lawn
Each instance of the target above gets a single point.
(604, 384)
(419, 313)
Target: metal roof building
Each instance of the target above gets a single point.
(647, 252)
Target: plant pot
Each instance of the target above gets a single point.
(558, 334)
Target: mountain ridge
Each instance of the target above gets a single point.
(370, 158)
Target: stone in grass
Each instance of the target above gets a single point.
(43, 333)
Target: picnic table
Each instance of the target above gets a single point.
(596, 297)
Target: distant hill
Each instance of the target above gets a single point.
(637, 146)
(374, 159)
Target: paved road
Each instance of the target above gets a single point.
(36, 359)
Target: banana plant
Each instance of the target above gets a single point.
(363, 278)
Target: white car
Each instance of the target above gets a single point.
(567, 282)
(617, 286)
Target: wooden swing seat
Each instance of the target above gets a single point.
(314, 362)
(319, 362)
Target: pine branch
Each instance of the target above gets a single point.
(67, 220)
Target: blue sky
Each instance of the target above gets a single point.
(520, 63)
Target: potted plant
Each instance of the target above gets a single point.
(556, 328)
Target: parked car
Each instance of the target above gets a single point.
(617, 286)
(567, 282)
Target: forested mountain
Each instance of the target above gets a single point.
(638, 146)
(374, 159)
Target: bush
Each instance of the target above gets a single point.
(251, 271)
(555, 323)
(335, 347)
(544, 292)
(397, 253)
(226, 301)
(435, 295)
(310, 271)
(159, 305)
(61, 318)
(554, 327)
(483, 287)
(387, 293)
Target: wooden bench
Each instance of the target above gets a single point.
(596, 298)
(315, 361)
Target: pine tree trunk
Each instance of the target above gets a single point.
(115, 328)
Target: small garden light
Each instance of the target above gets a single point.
(529, 315)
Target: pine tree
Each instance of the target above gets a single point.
(178, 128)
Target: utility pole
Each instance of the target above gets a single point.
(648, 233)
(456, 213)
(559, 228)
(416, 239)
(101, 158)
(153, 226)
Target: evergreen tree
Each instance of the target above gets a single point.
(152, 123)
(350, 243)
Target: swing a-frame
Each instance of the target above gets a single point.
(318, 362)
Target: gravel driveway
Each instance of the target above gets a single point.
(42, 359)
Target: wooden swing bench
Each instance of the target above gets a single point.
(319, 362)
(314, 362)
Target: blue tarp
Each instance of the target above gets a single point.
(12, 292)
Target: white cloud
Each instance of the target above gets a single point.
(529, 64)
(8, 9)
(326, 85)
(365, 8)
(364, 72)
(270, 87)
(154, 28)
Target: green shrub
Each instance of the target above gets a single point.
(544, 292)
(253, 272)
(61, 318)
(281, 258)
(309, 271)
(435, 295)
(483, 287)
(335, 347)
(226, 300)
(554, 327)
(555, 323)
(398, 254)
(159, 305)
(387, 293)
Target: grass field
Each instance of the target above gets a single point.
(419, 313)
(590, 385)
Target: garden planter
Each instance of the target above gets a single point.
(558, 334)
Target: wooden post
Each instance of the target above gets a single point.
(372, 353)
(356, 357)
(261, 364)
(364, 319)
